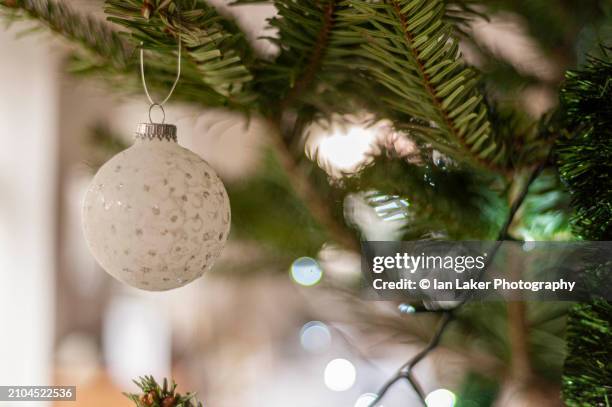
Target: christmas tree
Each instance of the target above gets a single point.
(480, 166)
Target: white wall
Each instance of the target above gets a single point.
(28, 140)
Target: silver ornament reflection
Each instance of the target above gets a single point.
(156, 216)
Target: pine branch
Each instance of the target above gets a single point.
(314, 73)
(305, 30)
(318, 205)
(451, 202)
(585, 157)
(315, 59)
(95, 36)
(109, 55)
(304, 34)
(588, 366)
(318, 44)
(415, 56)
(585, 164)
(215, 47)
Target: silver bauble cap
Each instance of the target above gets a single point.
(156, 131)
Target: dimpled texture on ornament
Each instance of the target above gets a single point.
(156, 216)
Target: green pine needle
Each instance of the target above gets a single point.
(213, 45)
(585, 164)
(154, 395)
(414, 54)
(585, 158)
(588, 367)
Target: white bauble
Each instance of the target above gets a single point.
(156, 216)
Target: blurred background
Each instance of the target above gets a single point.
(259, 330)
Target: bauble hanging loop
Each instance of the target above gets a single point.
(160, 108)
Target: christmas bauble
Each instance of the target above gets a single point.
(156, 216)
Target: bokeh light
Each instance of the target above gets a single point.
(406, 309)
(441, 398)
(315, 337)
(529, 244)
(340, 375)
(306, 271)
(346, 149)
(366, 400)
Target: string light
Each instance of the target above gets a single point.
(366, 400)
(406, 309)
(529, 244)
(340, 375)
(441, 398)
(315, 337)
(306, 271)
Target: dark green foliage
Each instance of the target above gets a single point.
(588, 367)
(482, 327)
(448, 202)
(477, 391)
(547, 321)
(529, 141)
(304, 30)
(315, 73)
(546, 211)
(154, 395)
(265, 209)
(585, 157)
(415, 55)
(585, 163)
